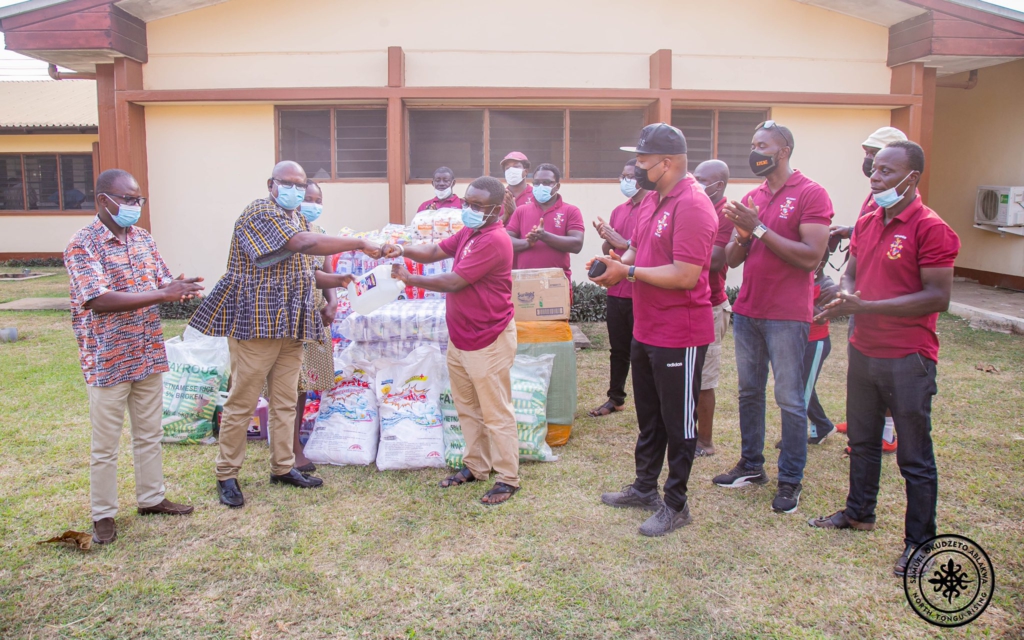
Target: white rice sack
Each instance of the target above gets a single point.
(409, 397)
(348, 427)
(454, 442)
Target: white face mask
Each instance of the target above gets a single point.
(443, 194)
(513, 175)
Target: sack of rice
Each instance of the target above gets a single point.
(409, 398)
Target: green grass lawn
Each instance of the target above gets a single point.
(390, 555)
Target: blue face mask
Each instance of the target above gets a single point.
(889, 197)
(126, 216)
(289, 197)
(473, 219)
(311, 210)
(541, 193)
(628, 187)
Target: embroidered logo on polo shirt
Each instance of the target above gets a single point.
(469, 247)
(662, 223)
(787, 207)
(896, 248)
(559, 218)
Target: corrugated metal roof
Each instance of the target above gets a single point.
(48, 103)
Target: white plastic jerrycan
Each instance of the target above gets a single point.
(374, 290)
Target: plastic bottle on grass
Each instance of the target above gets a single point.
(374, 290)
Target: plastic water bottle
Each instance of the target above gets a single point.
(374, 290)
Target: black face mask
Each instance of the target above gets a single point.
(761, 164)
(643, 180)
(867, 166)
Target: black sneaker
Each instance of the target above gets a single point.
(741, 476)
(787, 497)
(666, 520)
(630, 497)
(820, 435)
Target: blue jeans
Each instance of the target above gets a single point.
(814, 357)
(781, 343)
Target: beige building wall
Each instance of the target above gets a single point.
(42, 232)
(979, 140)
(760, 45)
(206, 163)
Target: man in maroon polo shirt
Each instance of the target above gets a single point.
(444, 191)
(713, 175)
(482, 335)
(875, 143)
(619, 304)
(667, 263)
(781, 234)
(899, 278)
(516, 166)
(544, 232)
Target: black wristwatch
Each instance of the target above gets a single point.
(630, 276)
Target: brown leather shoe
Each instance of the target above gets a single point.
(104, 531)
(167, 507)
(838, 520)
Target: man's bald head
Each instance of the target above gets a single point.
(714, 176)
(289, 170)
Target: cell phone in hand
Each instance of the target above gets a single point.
(597, 269)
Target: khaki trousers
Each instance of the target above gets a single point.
(144, 400)
(482, 389)
(277, 362)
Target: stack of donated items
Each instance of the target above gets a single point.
(542, 301)
(391, 403)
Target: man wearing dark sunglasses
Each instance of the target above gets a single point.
(117, 280)
(266, 308)
(781, 234)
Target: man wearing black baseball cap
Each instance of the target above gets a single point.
(667, 261)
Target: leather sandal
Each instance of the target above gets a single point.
(499, 489)
(462, 476)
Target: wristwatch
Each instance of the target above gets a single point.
(760, 230)
(630, 276)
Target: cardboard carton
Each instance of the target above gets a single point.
(540, 294)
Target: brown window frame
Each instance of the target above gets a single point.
(566, 156)
(333, 109)
(714, 130)
(61, 211)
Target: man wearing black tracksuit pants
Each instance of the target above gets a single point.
(667, 262)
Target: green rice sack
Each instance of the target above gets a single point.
(531, 377)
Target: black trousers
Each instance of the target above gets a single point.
(666, 384)
(619, 312)
(905, 386)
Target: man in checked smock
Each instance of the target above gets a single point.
(264, 306)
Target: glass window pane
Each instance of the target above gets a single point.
(362, 137)
(697, 126)
(735, 130)
(306, 139)
(595, 138)
(449, 138)
(41, 178)
(538, 134)
(76, 182)
(12, 190)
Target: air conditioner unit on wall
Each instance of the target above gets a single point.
(999, 206)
